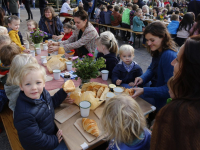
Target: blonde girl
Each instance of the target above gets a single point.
(13, 24)
(127, 70)
(145, 9)
(12, 84)
(4, 40)
(31, 24)
(107, 48)
(124, 124)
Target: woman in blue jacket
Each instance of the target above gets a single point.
(51, 24)
(163, 51)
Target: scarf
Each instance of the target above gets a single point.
(52, 29)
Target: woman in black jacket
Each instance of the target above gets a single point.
(28, 9)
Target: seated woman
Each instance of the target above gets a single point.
(51, 24)
(163, 51)
(65, 8)
(83, 38)
(180, 118)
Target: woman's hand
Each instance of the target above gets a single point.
(59, 135)
(52, 43)
(26, 51)
(52, 49)
(138, 92)
(69, 100)
(54, 37)
(131, 84)
(138, 81)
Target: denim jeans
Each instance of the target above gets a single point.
(61, 146)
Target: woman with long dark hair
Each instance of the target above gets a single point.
(2, 14)
(163, 50)
(195, 30)
(176, 125)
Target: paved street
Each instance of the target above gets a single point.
(142, 57)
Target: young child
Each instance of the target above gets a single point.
(4, 40)
(155, 12)
(34, 111)
(7, 53)
(107, 15)
(125, 72)
(124, 124)
(31, 24)
(3, 31)
(101, 15)
(126, 22)
(12, 84)
(68, 27)
(116, 19)
(97, 12)
(173, 26)
(107, 47)
(145, 9)
(184, 28)
(132, 15)
(13, 24)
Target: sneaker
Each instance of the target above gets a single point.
(129, 42)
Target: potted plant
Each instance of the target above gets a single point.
(88, 67)
(37, 36)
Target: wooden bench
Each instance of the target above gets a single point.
(7, 119)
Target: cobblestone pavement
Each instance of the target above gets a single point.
(142, 57)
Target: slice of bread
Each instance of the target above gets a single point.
(69, 86)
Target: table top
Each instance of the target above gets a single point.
(151, 20)
(72, 137)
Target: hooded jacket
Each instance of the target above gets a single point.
(34, 120)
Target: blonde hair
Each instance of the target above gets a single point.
(126, 48)
(122, 119)
(3, 39)
(33, 22)
(17, 63)
(31, 67)
(108, 39)
(147, 8)
(2, 30)
(50, 8)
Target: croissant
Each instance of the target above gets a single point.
(129, 91)
(90, 126)
(100, 91)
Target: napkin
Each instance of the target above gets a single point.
(71, 75)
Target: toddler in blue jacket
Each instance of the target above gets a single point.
(173, 25)
(124, 123)
(34, 111)
(127, 70)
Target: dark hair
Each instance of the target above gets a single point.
(197, 26)
(102, 8)
(159, 29)
(187, 21)
(8, 52)
(2, 14)
(135, 6)
(69, 25)
(186, 82)
(138, 9)
(82, 14)
(116, 8)
(109, 7)
(177, 12)
(34, 22)
(11, 18)
(174, 17)
(168, 7)
(129, 5)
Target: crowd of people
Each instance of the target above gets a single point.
(173, 73)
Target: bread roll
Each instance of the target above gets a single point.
(69, 86)
(129, 91)
(90, 126)
(100, 91)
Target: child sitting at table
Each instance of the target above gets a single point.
(7, 53)
(4, 40)
(3, 30)
(124, 124)
(108, 48)
(68, 27)
(173, 26)
(31, 24)
(127, 70)
(13, 24)
(34, 111)
(12, 84)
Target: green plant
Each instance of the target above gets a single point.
(37, 35)
(88, 67)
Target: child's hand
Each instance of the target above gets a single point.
(131, 84)
(118, 82)
(54, 37)
(69, 100)
(62, 33)
(59, 135)
(26, 51)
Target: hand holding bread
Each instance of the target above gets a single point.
(68, 86)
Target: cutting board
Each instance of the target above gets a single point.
(89, 137)
(98, 112)
(66, 113)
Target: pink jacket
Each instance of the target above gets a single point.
(88, 39)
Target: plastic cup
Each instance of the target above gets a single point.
(38, 51)
(69, 65)
(56, 74)
(109, 95)
(45, 47)
(55, 53)
(26, 45)
(118, 90)
(104, 74)
(43, 58)
(85, 108)
(32, 53)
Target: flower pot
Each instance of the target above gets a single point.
(37, 45)
(84, 81)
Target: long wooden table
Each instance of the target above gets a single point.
(72, 137)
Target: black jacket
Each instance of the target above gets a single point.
(34, 120)
(42, 3)
(140, 3)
